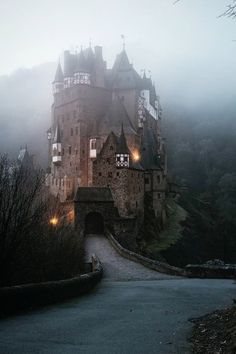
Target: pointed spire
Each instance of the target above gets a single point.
(122, 143)
(59, 77)
(57, 135)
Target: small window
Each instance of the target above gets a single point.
(159, 195)
(93, 144)
(110, 174)
(83, 152)
(76, 130)
(111, 147)
(63, 151)
(146, 180)
(118, 174)
(158, 179)
(74, 114)
(125, 158)
(69, 150)
(100, 173)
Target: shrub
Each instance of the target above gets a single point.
(32, 250)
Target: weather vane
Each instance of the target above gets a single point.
(123, 38)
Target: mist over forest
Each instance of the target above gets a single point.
(25, 104)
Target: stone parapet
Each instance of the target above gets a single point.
(27, 296)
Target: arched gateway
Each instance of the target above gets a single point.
(94, 223)
(94, 210)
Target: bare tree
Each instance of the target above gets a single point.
(229, 12)
(31, 249)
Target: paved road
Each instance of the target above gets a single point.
(118, 317)
(116, 267)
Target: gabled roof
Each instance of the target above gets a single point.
(59, 77)
(93, 194)
(123, 75)
(122, 62)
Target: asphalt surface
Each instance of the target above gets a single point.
(131, 316)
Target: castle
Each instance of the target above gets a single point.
(106, 133)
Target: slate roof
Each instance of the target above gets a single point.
(59, 77)
(149, 147)
(122, 147)
(93, 194)
(123, 75)
(114, 118)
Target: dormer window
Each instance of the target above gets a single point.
(93, 148)
(122, 160)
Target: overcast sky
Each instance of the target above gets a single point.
(188, 49)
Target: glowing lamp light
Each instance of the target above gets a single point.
(54, 221)
(136, 156)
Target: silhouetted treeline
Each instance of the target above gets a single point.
(202, 156)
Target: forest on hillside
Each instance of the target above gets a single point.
(202, 156)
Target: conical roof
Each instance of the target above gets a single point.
(59, 77)
(122, 147)
(57, 135)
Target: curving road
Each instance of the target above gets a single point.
(119, 316)
(116, 267)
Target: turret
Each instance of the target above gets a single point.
(68, 69)
(58, 81)
(82, 74)
(56, 147)
(122, 152)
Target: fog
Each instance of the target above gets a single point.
(186, 47)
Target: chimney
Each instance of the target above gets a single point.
(98, 52)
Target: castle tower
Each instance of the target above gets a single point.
(58, 83)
